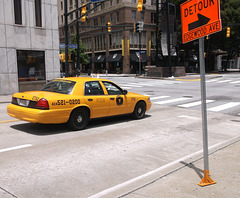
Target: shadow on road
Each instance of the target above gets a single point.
(51, 129)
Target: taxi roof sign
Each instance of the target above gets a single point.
(199, 18)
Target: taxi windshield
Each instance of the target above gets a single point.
(63, 87)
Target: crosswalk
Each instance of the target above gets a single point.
(151, 83)
(186, 102)
(220, 81)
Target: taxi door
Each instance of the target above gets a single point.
(95, 98)
(118, 101)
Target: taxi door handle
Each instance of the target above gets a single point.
(90, 99)
(112, 98)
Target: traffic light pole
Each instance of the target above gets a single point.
(140, 72)
(157, 32)
(66, 36)
(77, 36)
(168, 39)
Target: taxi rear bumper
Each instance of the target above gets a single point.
(55, 116)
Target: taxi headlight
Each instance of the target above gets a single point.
(148, 100)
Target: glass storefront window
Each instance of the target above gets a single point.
(31, 65)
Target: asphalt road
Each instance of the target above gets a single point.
(52, 161)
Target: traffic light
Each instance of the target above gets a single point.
(62, 57)
(140, 6)
(139, 26)
(228, 32)
(83, 12)
(109, 26)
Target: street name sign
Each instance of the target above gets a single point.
(70, 46)
(199, 18)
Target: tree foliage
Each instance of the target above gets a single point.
(83, 57)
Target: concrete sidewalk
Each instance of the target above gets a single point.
(224, 169)
(181, 179)
(5, 98)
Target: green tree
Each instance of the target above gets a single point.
(83, 57)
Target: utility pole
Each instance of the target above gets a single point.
(157, 32)
(140, 72)
(77, 30)
(168, 39)
(66, 36)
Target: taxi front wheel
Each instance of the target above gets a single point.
(139, 110)
(78, 119)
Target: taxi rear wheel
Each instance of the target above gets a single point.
(139, 111)
(78, 119)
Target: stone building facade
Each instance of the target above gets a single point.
(117, 50)
(29, 44)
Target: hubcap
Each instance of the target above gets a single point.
(139, 110)
(79, 119)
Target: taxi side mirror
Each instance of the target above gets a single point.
(125, 92)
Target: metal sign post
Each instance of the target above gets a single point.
(198, 21)
(206, 180)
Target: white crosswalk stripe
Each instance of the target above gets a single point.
(157, 100)
(159, 97)
(223, 81)
(171, 100)
(147, 84)
(224, 106)
(192, 104)
(235, 82)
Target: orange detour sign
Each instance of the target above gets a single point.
(200, 18)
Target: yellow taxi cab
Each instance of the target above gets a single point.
(75, 100)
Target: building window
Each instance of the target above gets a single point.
(102, 20)
(61, 5)
(18, 11)
(95, 22)
(153, 17)
(111, 18)
(111, 3)
(71, 16)
(118, 17)
(142, 16)
(31, 65)
(153, 2)
(103, 5)
(133, 16)
(133, 1)
(38, 13)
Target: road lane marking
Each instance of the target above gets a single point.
(223, 81)
(192, 104)
(188, 117)
(159, 97)
(224, 106)
(188, 79)
(6, 121)
(171, 101)
(213, 80)
(235, 82)
(15, 148)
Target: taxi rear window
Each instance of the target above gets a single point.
(63, 87)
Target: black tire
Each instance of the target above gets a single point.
(139, 111)
(78, 119)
